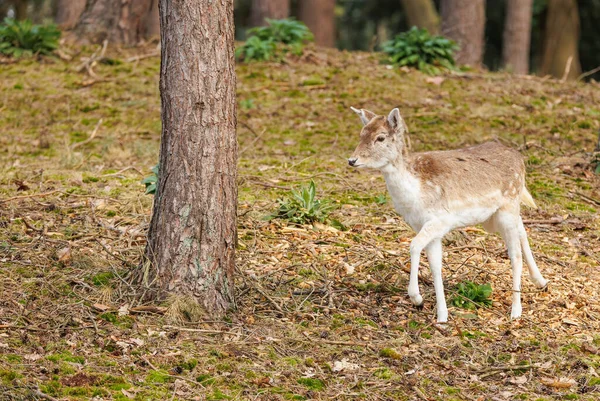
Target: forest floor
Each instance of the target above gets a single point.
(322, 311)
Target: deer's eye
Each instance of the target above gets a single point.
(380, 138)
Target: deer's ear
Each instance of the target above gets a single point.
(396, 122)
(365, 115)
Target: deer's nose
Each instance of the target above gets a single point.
(352, 161)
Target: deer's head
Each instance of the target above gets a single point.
(382, 140)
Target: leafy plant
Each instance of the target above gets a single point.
(272, 41)
(287, 31)
(419, 49)
(303, 207)
(470, 295)
(256, 49)
(152, 180)
(22, 38)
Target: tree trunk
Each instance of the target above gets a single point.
(152, 22)
(68, 13)
(192, 236)
(517, 36)
(117, 21)
(561, 40)
(464, 21)
(319, 17)
(274, 9)
(422, 14)
(20, 9)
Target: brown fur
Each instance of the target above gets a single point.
(474, 170)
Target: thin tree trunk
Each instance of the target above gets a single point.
(464, 21)
(273, 9)
(517, 36)
(192, 236)
(68, 13)
(152, 22)
(561, 40)
(319, 16)
(117, 21)
(20, 9)
(422, 14)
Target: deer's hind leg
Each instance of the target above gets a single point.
(506, 221)
(534, 272)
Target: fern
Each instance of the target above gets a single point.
(22, 38)
(419, 49)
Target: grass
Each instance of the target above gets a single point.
(297, 128)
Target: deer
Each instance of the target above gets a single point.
(439, 191)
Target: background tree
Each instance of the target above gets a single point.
(68, 12)
(464, 22)
(422, 14)
(319, 16)
(192, 236)
(561, 40)
(152, 22)
(274, 9)
(115, 20)
(517, 36)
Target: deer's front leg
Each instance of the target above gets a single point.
(430, 231)
(434, 256)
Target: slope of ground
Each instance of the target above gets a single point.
(322, 313)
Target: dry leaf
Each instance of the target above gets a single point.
(64, 255)
(563, 382)
(338, 366)
(435, 80)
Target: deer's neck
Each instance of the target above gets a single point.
(405, 190)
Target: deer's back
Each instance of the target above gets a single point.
(476, 172)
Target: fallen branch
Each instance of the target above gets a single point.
(142, 57)
(94, 132)
(39, 195)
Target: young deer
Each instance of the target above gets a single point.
(436, 192)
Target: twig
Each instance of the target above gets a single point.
(549, 221)
(207, 331)
(420, 393)
(38, 393)
(271, 300)
(567, 69)
(492, 371)
(39, 195)
(94, 132)
(90, 62)
(122, 171)
(142, 57)
(586, 74)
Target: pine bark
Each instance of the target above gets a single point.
(192, 236)
(273, 9)
(68, 13)
(464, 22)
(117, 21)
(561, 40)
(319, 17)
(422, 14)
(517, 36)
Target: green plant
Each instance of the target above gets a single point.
(303, 207)
(470, 295)
(256, 49)
(151, 180)
(419, 49)
(22, 38)
(287, 31)
(278, 37)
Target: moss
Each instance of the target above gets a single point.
(66, 357)
(389, 353)
(158, 377)
(312, 384)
